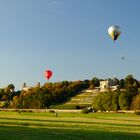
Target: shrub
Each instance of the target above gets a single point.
(78, 107)
(51, 111)
(29, 111)
(62, 106)
(137, 112)
(24, 110)
(85, 111)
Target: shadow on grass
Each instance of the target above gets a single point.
(37, 122)
(27, 133)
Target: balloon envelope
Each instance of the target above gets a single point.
(114, 32)
(122, 57)
(48, 74)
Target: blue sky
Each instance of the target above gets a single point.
(69, 37)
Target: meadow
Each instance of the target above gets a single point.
(69, 126)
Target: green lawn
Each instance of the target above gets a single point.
(46, 126)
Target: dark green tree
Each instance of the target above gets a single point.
(115, 101)
(95, 82)
(136, 103)
(98, 103)
(107, 100)
(122, 84)
(124, 101)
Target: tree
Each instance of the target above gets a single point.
(125, 101)
(1, 93)
(97, 103)
(131, 86)
(11, 87)
(4, 98)
(14, 104)
(116, 81)
(129, 81)
(95, 82)
(136, 103)
(8, 91)
(107, 101)
(92, 87)
(115, 101)
(121, 84)
(86, 83)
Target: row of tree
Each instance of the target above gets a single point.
(125, 98)
(56, 93)
(44, 96)
(118, 100)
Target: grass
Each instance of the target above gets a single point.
(66, 126)
(82, 99)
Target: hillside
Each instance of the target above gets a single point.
(83, 99)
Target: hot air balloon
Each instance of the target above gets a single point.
(122, 57)
(114, 32)
(48, 74)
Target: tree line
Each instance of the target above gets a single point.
(40, 97)
(125, 98)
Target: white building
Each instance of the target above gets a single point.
(25, 87)
(105, 85)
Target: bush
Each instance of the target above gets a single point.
(52, 111)
(78, 107)
(85, 111)
(62, 106)
(29, 111)
(22, 110)
(137, 112)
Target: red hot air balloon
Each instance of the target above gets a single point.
(48, 74)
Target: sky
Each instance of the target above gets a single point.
(69, 37)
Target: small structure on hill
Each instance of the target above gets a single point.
(105, 85)
(25, 87)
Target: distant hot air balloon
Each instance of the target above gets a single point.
(122, 57)
(114, 32)
(48, 74)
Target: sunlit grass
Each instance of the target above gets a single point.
(45, 125)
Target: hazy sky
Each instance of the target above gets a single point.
(70, 38)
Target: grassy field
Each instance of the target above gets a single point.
(46, 126)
